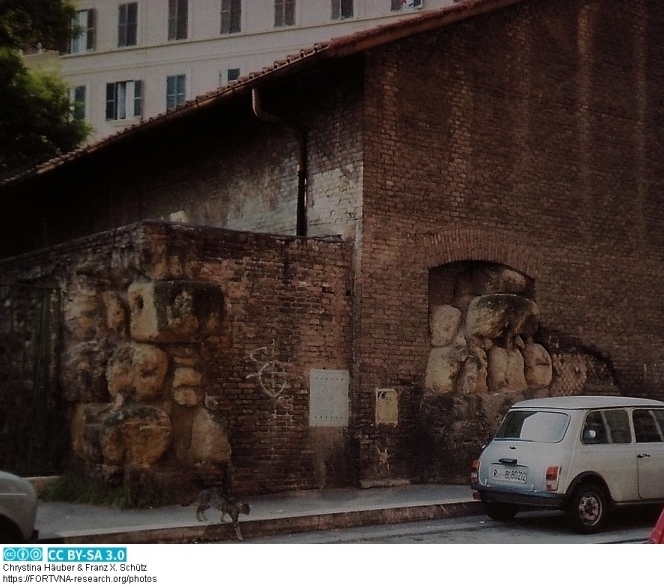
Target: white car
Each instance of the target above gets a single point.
(18, 509)
(581, 454)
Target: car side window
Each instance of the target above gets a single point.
(606, 427)
(659, 419)
(594, 430)
(618, 423)
(648, 425)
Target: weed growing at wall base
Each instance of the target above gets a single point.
(78, 489)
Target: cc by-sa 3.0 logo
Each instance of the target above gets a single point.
(22, 554)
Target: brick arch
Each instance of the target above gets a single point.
(471, 244)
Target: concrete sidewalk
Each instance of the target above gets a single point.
(293, 512)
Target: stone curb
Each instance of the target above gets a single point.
(269, 527)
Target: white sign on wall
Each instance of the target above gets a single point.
(328, 397)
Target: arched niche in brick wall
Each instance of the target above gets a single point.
(482, 318)
(479, 244)
(488, 350)
(482, 356)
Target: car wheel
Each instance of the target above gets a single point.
(501, 512)
(587, 509)
(9, 533)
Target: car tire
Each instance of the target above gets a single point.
(501, 512)
(587, 509)
(9, 533)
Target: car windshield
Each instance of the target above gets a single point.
(534, 426)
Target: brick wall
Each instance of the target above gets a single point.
(530, 137)
(288, 300)
(226, 169)
(287, 304)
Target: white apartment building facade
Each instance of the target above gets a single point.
(134, 60)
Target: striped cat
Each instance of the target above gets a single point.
(209, 498)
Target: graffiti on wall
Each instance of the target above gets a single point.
(271, 373)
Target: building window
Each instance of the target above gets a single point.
(83, 25)
(124, 100)
(178, 14)
(399, 4)
(229, 75)
(342, 9)
(176, 91)
(230, 16)
(284, 13)
(77, 98)
(127, 24)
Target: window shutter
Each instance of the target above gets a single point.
(290, 12)
(225, 17)
(236, 13)
(178, 12)
(122, 25)
(170, 93)
(278, 12)
(183, 13)
(91, 40)
(78, 106)
(132, 24)
(110, 101)
(172, 19)
(138, 98)
(127, 24)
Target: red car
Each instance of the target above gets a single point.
(657, 535)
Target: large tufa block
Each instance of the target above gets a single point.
(83, 313)
(538, 365)
(132, 435)
(501, 316)
(444, 323)
(208, 440)
(137, 372)
(506, 370)
(444, 365)
(83, 371)
(174, 311)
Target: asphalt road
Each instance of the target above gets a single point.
(527, 528)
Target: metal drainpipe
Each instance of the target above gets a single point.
(301, 228)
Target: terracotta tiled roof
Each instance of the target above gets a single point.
(330, 50)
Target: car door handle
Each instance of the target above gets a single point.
(642, 455)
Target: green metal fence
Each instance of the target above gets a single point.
(32, 432)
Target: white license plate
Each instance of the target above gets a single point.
(509, 473)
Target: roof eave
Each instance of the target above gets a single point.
(337, 48)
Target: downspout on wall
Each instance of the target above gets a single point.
(301, 222)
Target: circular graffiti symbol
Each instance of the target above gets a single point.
(272, 374)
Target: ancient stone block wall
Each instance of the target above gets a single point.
(186, 352)
(529, 137)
